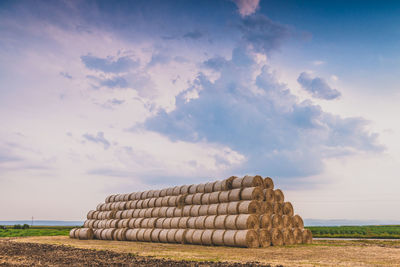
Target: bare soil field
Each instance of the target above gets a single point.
(61, 250)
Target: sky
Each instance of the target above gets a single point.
(101, 97)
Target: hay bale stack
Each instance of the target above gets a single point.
(237, 211)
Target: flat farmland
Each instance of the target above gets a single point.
(320, 253)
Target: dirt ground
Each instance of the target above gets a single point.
(61, 250)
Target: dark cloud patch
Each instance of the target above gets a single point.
(193, 35)
(216, 63)
(109, 64)
(66, 75)
(98, 139)
(116, 82)
(115, 101)
(317, 87)
(261, 119)
(263, 33)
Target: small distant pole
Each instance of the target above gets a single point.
(32, 221)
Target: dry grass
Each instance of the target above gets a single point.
(321, 253)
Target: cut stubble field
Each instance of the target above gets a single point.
(320, 253)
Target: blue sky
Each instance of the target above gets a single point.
(99, 97)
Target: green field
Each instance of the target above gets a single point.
(35, 231)
(370, 231)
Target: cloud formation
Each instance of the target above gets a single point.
(260, 118)
(317, 87)
(98, 139)
(109, 64)
(247, 7)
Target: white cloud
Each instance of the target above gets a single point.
(247, 7)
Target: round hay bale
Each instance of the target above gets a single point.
(197, 198)
(155, 212)
(208, 188)
(139, 204)
(246, 221)
(91, 223)
(115, 223)
(108, 224)
(147, 234)
(184, 189)
(224, 196)
(230, 222)
(205, 199)
(175, 222)
(178, 212)
(176, 190)
(192, 189)
(307, 236)
(253, 181)
(189, 236)
(151, 223)
(229, 238)
(276, 237)
(135, 213)
(86, 224)
(160, 222)
(219, 185)
(189, 199)
(110, 233)
(142, 213)
(131, 223)
(278, 208)
(131, 204)
(143, 195)
(197, 236)
(114, 205)
(298, 222)
(97, 233)
(180, 201)
(249, 207)
(265, 221)
(96, 224)
(209, 223)
(288, 209)
(96, 214)
(132, 196)
(234, 194)
(145, 203)
(206, 238)
(126, 197)
(203, 210)
(123, 223)
(112, 198)
(222, 208)
(186, 210)
(131, 234)
(90, 214)
(277, 221)
(108, 206)
(171, 235)
(194, 211)
(170, 190)
(138, 222)
(107, 200)
(218, 237)
(264, 238)
(279, 197)
(212, 209)
(180, 236)
(103, 234)
(124, 214)
(251, 193)
(200, 222)
(246, 238)
(158, 202)
(163, 192)
(152, 202)
(121, 236)
(155, 234)
(287, 221)
(156, 193)
(170, 212)
(201, 188)
(288, 237)
(268, 183)
(166, 223)
(118, 214)
(173, 201)
(214, 197)
(298, 236)
(219, 222)
(72, 232)
(233, 208)
(163, 212)
(237, 182)
(164, 201)
(183, 222)
(267, 208)
(129, 213)
(148, 213)
(191, 222)
(140, 234)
